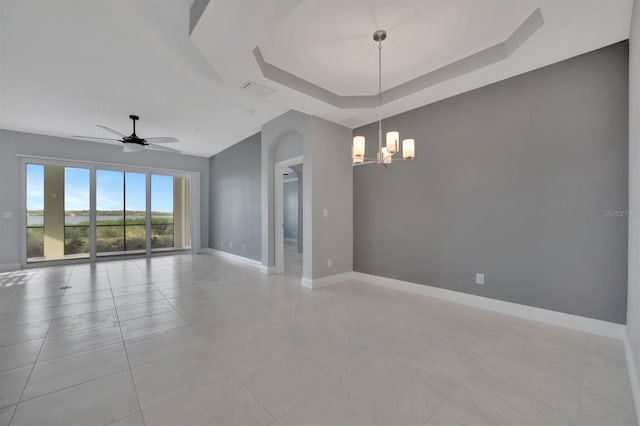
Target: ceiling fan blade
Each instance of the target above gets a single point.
(162, 148)
(91, 137)
(161, 140)
(115, 132)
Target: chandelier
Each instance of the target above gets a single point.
(386, 154)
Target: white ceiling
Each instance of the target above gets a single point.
(66, 65)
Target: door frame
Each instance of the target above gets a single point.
(279, 209)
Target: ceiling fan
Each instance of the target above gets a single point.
(134, 143)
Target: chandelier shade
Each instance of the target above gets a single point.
(392, 142)
(408, 149)
(358, 148)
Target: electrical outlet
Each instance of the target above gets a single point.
(329, 263)
(230, 245)
(243, 248)
(480, 278)
(221, 243)
(325, 213)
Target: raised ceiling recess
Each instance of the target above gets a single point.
(472, 62)
(319, 58)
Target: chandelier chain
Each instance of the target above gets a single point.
(380, 97)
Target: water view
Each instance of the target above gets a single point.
(121, 205)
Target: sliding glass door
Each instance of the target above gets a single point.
(76, 211)
(35, 211)
(162, 230)
(62, 224)
(109, 212)
(135, 212)
(121, 212)
(57, 209)
(170, 214)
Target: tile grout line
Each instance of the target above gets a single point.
(482, 358)
(74, 385)
(214, 381)
(44, 339)
(148, 336)
(273, 418)
(15, 407)
(231, 376)
(122, 418)
(169, 302)
(321, 392)
(133, 382)
(55, 306)
(28, 340)
(98, 327)
(105, 347)
(163, 295)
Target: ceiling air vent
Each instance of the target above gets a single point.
(257, 89)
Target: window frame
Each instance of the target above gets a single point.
(93, 167)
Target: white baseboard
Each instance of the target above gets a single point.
(575, 322)
(326, 281)
(234, 257)
(268, 269)
(632, 370)
(7, 267)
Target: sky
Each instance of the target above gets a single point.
(110, 190)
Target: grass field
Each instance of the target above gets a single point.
(111, 235)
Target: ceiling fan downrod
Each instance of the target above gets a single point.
(134, 118)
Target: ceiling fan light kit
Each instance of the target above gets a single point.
(385, 155)
(134, 143)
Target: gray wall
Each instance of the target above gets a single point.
(290, 204)
(331, 176)
(235, 199)
(633, 306)
(13, 143)
(512, 180)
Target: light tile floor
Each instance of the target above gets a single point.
(292, 259)
(195, 340)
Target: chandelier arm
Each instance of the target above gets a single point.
(364, 163)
